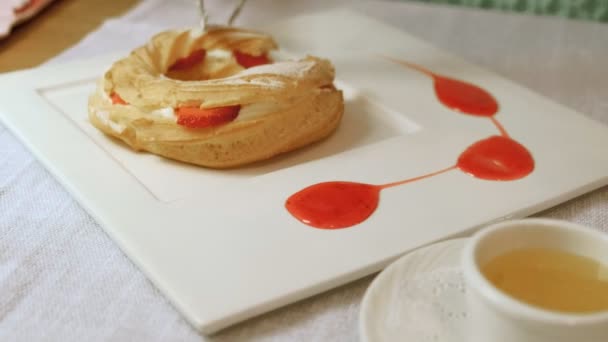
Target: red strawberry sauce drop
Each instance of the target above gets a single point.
(333, 205)
(464, 97)
(458, 95)
(496, 158)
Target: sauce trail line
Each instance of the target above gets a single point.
(341, 204)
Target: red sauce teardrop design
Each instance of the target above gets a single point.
(496, 158)
(332, 205)
(464, 97)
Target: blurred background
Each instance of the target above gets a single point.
(580, 9)
(65, 22)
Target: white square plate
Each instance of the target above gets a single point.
(221, 245)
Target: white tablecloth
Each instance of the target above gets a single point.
(63, 279)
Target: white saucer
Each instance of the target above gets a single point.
(420, 297)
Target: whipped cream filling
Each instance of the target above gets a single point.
(104, 117)
(167, 113)
(247, 112)
(219, 54)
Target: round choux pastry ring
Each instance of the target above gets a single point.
(216, 99)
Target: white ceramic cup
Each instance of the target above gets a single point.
(497, 317)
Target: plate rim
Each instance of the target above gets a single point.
(366, 302)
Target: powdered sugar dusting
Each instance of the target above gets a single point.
(290, 69)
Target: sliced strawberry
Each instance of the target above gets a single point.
(197, 56)
(116, 99)
(248, 61)
(195, 117)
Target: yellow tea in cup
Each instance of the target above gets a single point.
(551, 279)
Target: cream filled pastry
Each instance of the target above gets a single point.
(216, 99)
